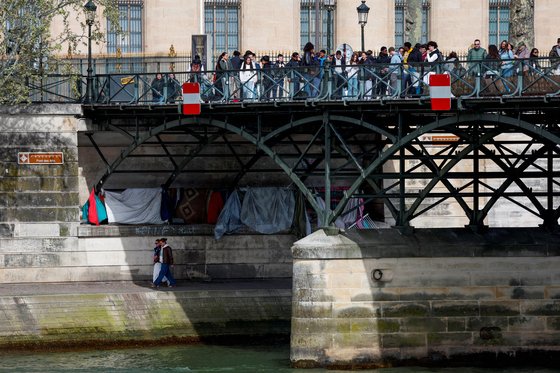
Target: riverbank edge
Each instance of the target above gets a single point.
(143, 318)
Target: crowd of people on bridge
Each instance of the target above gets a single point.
(405, 69)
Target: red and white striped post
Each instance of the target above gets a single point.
(191, 99)
(440, 92)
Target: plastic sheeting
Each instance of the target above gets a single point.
(265, 210)
(268, 210)
(229, 220)
(134, 206)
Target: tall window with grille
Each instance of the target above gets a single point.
(222, 24)
(400, 22)
(308, 18)
(130, 19)
(498, 29)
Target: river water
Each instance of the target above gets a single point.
(192, 358)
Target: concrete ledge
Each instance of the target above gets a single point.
(86, 230)
(429, 243)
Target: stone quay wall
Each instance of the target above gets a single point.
(113, 255)
(377, 298)
(42, 240)
(39, 203)
(141, 317)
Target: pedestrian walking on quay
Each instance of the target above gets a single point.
(166, 260)
(157, 263)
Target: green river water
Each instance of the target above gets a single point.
(193, 358)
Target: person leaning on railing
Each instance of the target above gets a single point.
(248, 78)
(157, 88)
(414, 67)
(434, 56)
(173, 88)
(491, 67)
(235, 62)
(197, 75)
(522, 53)
(221, 75)
(311, 70)
(534, 65)
(267, 77)
(396, 68)
(278, 73)
(475, 55)
(338, 64)
(506, 55)
(451, 63)
(555, 58)
(294, 73)
(383, 60)
(352, 71)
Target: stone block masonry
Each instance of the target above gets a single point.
(143, 316)
(39, 204)
(41, 239)
(378, 298)
(125, 258)
(39, 200)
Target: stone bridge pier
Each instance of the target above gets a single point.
(379, 298)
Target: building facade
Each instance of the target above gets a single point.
(151, 27)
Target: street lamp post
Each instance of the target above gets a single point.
(329, 6)
(90, 9)
(363, 11)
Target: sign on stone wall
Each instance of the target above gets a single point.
(40, 158)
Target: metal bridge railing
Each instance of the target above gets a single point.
(488, 78)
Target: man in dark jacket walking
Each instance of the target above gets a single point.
(166, 259)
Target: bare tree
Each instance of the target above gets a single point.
(522, 22)
(413, 21)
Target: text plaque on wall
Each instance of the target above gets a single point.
(40, 158)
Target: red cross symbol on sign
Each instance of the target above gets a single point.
(191, 99)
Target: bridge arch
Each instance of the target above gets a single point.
(264, 145)
(405, 141)
(260, 142)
